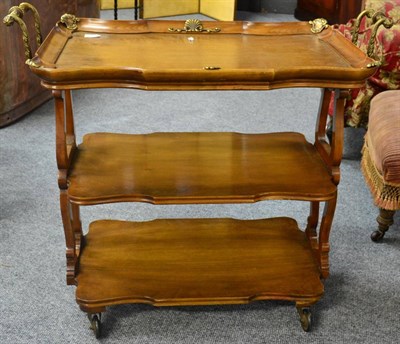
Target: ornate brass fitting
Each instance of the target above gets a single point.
(377, 19)
(70, 21)
(15, 14)
(374, 64)
(318, 25)
(194, 25)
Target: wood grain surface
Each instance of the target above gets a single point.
(196, 261)
(243, 55)
(164, 168)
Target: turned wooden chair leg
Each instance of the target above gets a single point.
(385, 220)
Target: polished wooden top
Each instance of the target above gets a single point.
(242, 55)
(196, 261)
(164, 168)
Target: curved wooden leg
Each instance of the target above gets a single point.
(65, 148)
(69, 236)
(329, 130)
(77, 227)
(323, 245)
(385, 220)
(312, 223)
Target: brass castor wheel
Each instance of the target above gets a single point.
(305, 318)
(95, 324)
(377, 236)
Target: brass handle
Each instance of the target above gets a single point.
(356, 30)
(15, 14)
(378, 19)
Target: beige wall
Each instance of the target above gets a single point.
(109, 4)
(218, 9)
(164, 8)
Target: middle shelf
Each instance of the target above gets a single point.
(185, 168)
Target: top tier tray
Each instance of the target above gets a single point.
(212, 55)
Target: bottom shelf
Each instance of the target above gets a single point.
(196, 262)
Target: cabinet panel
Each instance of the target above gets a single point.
(20, 91)
(324, 8)
(335, 11)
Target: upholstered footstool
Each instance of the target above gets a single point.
(381, 157)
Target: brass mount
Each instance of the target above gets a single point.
(318, 25)
(15, 15)
(194, 25)
(377, 19)
(70, 21)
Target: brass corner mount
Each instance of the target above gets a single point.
(194, 25)
(70, 21)
(318, 25)
(374, 64)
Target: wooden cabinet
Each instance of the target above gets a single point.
(335, 11)
(198, 261)
(20, 91)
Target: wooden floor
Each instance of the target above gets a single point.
(196, 261)
(165, 168)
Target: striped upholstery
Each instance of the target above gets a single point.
(381, 153)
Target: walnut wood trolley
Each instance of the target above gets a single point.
(197, 261)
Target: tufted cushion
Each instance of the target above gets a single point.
(380, 162)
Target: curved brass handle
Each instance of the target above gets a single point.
(28, 7)
(356, 30)
(377, 19)
(15, 14)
